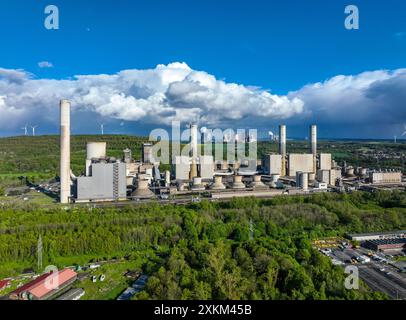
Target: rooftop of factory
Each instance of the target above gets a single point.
(39, 288)
(399, 233)
(380, 242)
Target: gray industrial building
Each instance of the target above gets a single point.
(107, 182)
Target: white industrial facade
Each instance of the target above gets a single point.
(299, 162)
(182, 167)
(206, 166)
(325, 161)
(386, 177)
(273, 164)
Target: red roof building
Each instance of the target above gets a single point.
(45, 285)
(4, 284)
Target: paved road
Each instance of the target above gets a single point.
(380, 281)
(393, 284)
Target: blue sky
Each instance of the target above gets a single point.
(279, 46)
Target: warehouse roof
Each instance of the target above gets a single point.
(31, 284)
(377, 233)
(4, 283)
(45, 287)
(388, 241)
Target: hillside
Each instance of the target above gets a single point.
(40, 155)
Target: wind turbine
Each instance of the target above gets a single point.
(33, 130)
(25, 129)
(102, 129)
(395, 139)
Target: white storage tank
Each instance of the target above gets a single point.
(304, 181)
(96, 150)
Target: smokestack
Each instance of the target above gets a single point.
(282, 147)
(193, 140)
(65, 151)
(313, 145)
(193, 150)
(193, 169)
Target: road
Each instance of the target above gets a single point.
(377, 275)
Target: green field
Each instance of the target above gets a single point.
(113, 285)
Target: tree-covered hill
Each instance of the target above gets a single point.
(40, 155)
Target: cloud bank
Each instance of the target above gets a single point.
(375, 98)
(177, 92)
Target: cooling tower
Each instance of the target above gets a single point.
(65, 151)
(237, 183)
(282, 147)
(257, 183)
(142, 190)
(218, 183)
(224, 165)
(197, 184)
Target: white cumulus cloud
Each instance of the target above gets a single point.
(177, 92)
(45, 64)
(369, 98)
(156, 96)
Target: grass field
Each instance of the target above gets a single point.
(33, 197)
(114, 284)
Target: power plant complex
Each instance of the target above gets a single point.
(110, 179)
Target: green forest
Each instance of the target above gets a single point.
(240, 249)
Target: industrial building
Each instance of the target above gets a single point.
(401, 234)
(4, 284)
(306, 170)
(299, 163)
(386, 177)
(45, 286)
(106, 182)
(104, 178)
(72, 294)
(383, 245)
(147, 155)
(273, 164)
(107, 178)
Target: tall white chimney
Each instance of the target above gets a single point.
(65, 151)
(313, 145)
(282, 147)
(193, 140)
